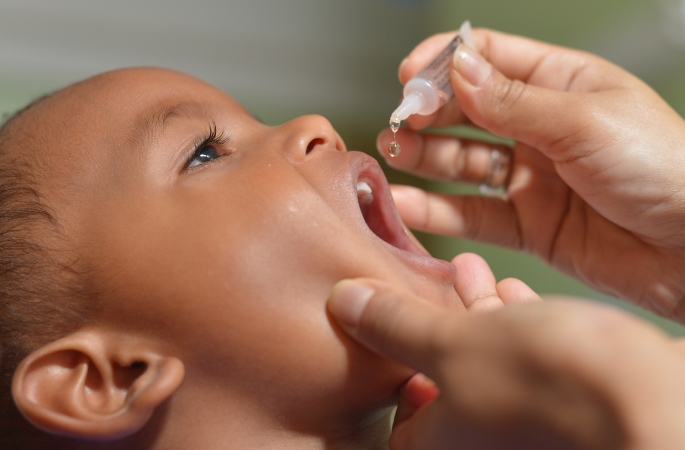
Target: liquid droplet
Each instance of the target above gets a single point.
(394, 149)
(394, 125)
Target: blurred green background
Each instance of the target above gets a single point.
(284, 58)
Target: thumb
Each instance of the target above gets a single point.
(533, 115)
(401, 326)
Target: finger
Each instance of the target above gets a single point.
(485, 219)
(442, 157)
(679, 344)
(405, 409)
(540, 63)
(419, 390)
(513, 290)
(475, 283)
(511, 108)
(403, 327)
(448, 115)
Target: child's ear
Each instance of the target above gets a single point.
(94, 384)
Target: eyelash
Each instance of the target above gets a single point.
(221, 140)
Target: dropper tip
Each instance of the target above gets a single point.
(411, 104)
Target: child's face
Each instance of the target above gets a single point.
(229, 262)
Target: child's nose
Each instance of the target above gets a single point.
(311, 134)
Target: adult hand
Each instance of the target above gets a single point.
(479, 291)
(543, 375)
(597, 186)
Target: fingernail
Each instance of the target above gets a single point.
(348, 300)
(471, 66)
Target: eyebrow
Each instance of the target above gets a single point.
(151, 125)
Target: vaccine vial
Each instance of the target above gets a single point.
(431, 87)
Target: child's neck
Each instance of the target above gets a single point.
(372, 437)
(246, 428)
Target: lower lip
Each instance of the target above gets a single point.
(425, 263)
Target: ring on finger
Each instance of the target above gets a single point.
(497, 177)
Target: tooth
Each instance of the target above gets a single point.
(363, 188)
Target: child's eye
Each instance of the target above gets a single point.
(210, 148)
(203, 155)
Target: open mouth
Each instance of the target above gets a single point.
(379, 212)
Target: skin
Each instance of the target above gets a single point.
(220, 270)
(559, 374)
(597, 187)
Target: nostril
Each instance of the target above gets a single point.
(314, 143)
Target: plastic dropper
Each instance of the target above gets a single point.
(431, 87)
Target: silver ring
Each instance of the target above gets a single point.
(495, 182)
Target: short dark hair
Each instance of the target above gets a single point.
(39, 298)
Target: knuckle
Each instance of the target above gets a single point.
(507, 96)
(487, 303)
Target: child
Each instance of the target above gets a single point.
(166, 260)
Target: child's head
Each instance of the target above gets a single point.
(166, 260)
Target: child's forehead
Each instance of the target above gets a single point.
(115, 105)
(125, 93)
(141, 93)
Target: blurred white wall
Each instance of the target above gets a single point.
(288, 57)
(296, 56)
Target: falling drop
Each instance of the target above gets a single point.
(394, 125)
(394, 149)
